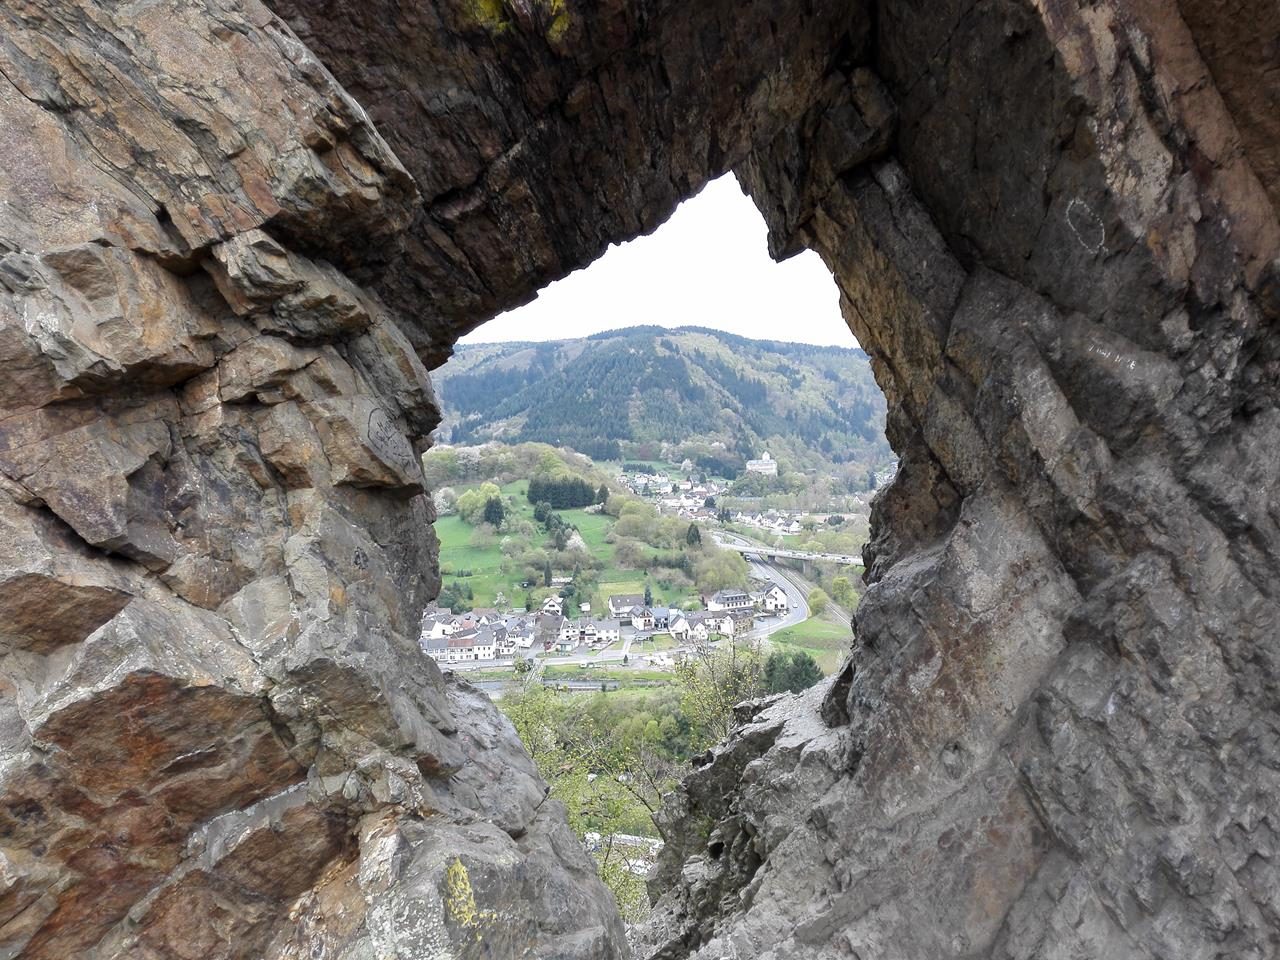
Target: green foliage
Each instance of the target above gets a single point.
(694, 536)
(756, 485)
(790, 672)
(712, 681)
(629, 391)
(843, 592)
(494, 512)
(824, 640)
(562, 492)
(473, 503)
(716, 569)
(608, 758)
(818, 600)
(457, 596)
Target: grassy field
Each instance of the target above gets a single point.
(457, 554)
(622, 675)
(823, 639)
(492, 674)
(660, 641)
(487, 580)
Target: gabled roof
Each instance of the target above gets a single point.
(549, 624)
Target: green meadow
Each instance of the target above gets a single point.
(484, 563)
(823, 639)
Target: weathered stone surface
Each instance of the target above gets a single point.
(1053, 227)
(218, 734)
(1045, 742)
(540, 132)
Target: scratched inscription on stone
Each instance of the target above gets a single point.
(387, 441)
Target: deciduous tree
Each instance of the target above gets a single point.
(818, 600)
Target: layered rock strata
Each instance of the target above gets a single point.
(1056, 733)
(220, 738)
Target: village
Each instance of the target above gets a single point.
(483, 637)
(711, 499)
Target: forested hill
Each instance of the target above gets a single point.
(625, 393)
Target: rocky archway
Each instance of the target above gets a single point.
(230, 241)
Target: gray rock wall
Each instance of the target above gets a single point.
(1055, 735)
(220, 739)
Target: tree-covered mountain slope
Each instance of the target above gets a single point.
(649, 391)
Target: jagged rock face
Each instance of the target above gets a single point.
(227, 245)
(540, 131)
(220, 739)
(1056, 733)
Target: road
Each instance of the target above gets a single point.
(797, 601)
(793, 578)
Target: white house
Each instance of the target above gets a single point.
(461, 646)
(437, 648)
(620, 604)
(504, 647)
(437, 626)
(679, 627)
(729, 600)
(608, 631)
(553, 606)
(766, 465)
(774, 600)
(692, 627)
(727, 625)
(641, 618)
(567, 640)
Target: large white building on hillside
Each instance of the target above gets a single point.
(766, 465)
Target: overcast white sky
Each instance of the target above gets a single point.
(707, 266)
